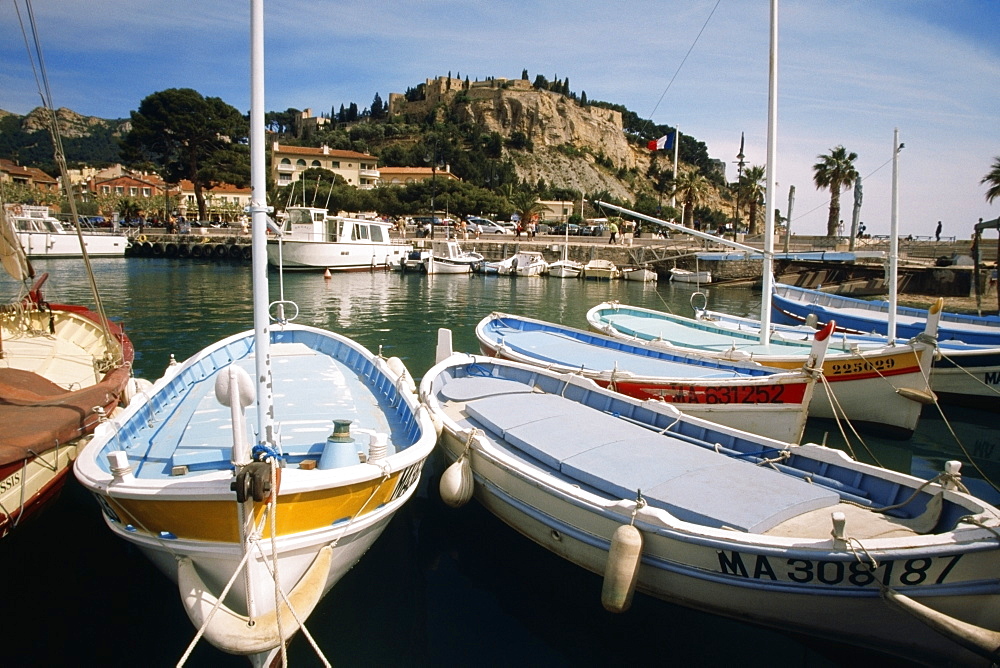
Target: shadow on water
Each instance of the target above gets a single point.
(442, 587)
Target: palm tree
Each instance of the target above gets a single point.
(752, 191)
(835, 172)
(690, 187)
(526, 205)
(992, 179)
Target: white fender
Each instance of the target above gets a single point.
(975, 638)
(230, 631)
(622, 569)
(456, 482)
(134, 388)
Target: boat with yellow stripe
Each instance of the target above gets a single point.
(879, 386)
(256, 514)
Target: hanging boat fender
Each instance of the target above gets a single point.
(398, 369)
(974, 638)
(134, 388)
(232, 632)
(622, 569)
(456, 482)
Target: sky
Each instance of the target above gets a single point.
(850, 72)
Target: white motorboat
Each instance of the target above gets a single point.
(447, 257)
(313, 240)
(522, 263)
(641, 274)
(41, 235)
(600, 270)
(678, 275)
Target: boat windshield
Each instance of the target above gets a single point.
(299, 217)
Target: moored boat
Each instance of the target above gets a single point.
(678, 275)
(42, 235)
(565, 269)
(522, 263)
(796, 537)
(447, 257)
(61, 373)
(882, 388)
(795, 305)
(256, 516)
(600, 270)
(312, 240)
(769, 402)
(641, 274)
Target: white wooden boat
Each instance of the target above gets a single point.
(641, 274)
(61, 373)
(312, 240)
(800, 538)
(882, 388)
(600, 270)
(761, 400)
(794, 305)
(256, 516)
(41, 235)
(565, 269)
(961, 374)
(447, 257)
(678, 275)
(522, 263)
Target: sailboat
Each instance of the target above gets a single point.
(259, 471)
(565, 268)
(62, 369)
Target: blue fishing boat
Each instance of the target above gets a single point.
(795, 306)
(762, 400)
(800, 538)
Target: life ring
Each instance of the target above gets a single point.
(141, 238)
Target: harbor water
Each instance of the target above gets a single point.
(441, 587)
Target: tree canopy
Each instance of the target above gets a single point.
(835, 172)
(188, 136)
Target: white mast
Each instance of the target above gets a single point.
(894, 237)
(772, 144)
(258, 219)
(677, 143)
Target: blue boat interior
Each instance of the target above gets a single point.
(316, 379)
(567, 347)
(619, 449)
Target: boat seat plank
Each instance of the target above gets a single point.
(620, 458)
(566, 351)
(476, 387)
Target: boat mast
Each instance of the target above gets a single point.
(772, 143)
(894, 238)
(258, 221)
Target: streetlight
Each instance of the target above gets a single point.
(739, 186)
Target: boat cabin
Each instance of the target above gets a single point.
(310, 224)
(28, 218)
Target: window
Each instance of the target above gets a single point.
(133, 191)
(377, 234)
(286, 161)
(120, 190)
(146, 192)
(106, 190)
(300, 163)
(284, 178)
(315, 163)
(335, 164)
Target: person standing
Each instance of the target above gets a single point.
(937, 232)
(613, 232)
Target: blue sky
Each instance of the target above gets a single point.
(850, 71)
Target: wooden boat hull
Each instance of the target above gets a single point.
(793, 305)
(874, 389)
(564, 269)
(745, 396)
(641, 275)
(812, 586)
(685, 276)
(54, 389)
(177, 500)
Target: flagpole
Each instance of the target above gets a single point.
(677, 143)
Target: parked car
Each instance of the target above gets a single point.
(493, 228)
(560, 230)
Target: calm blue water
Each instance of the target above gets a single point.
(442, 587)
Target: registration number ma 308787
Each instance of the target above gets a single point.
(902, 573)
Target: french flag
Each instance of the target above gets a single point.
(663, 143)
